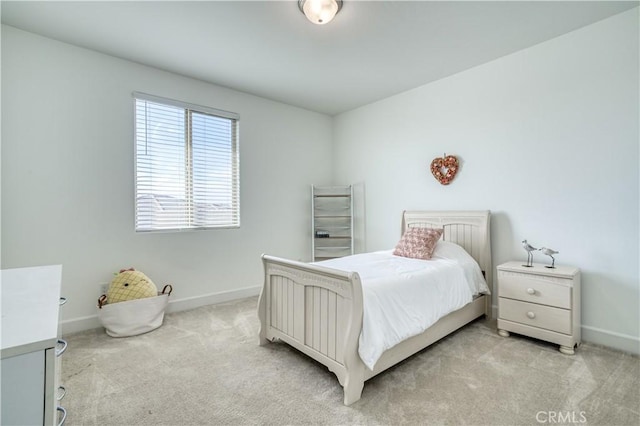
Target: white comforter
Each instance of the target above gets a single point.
(403, 297)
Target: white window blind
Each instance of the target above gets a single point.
(187, 166)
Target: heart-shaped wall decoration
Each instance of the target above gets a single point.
(444, 169)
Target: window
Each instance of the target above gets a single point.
(187, 166)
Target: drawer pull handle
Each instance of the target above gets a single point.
(62, 349)
(61, 392)
(531, 315)
(64, 415)
(63, 300)
(531, 291)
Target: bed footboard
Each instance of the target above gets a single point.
(318, 311)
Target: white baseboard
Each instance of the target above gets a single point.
(90, 322)
(79, 324)
(212, 299)
(610, 339)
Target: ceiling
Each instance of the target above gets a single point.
(371, 50)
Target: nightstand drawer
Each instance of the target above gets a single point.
(554, 319)
(536, 289)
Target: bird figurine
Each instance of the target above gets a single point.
(530, 249)
(550, 252)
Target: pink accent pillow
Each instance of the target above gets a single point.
(418, 243)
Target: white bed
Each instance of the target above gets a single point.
(319, 310)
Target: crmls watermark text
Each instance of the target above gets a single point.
(554, 417)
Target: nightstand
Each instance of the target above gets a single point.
(540, 302)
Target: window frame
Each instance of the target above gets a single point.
(190, 108)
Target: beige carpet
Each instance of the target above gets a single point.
(204, 367)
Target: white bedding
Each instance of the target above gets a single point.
(403, 297)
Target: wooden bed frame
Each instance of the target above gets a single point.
(318, 310)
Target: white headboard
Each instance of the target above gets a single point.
(469, 229)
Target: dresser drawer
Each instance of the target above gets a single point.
(549, 291)
(554, 319)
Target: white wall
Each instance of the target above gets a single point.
(68, 167)
(548, 139)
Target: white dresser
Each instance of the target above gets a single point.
(30, 346)
(540, 302)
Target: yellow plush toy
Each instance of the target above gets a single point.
(130, 284)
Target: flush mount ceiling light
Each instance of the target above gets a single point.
(320, 11)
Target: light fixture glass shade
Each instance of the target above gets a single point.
(320, 11)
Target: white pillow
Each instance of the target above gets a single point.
(451, 251)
